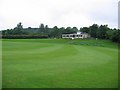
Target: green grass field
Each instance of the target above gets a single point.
(59, 63)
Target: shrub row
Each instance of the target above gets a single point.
(22, 36)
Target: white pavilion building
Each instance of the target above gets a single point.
(79, 34)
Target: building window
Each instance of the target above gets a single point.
(73, 35)
(67, 35)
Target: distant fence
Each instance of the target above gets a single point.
(22, 36)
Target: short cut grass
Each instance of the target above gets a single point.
(59, 63)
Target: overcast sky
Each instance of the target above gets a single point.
(62, 13)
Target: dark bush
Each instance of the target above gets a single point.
(22, 36)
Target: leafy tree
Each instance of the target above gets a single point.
(46, 29)
(93, 30)
(69, 30)
(85, 29)
(41, 28)
(75, 29)
(62, 30)
(55, 32)
(19, 26)
(109, 34)
(116, 36)
(102, 31)
(18, 30)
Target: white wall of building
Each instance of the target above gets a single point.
(78, 35)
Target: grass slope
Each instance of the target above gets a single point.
(59, 63)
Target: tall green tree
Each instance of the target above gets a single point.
(62, 30)
(19, 26)
(69, 30)
(109, 34)
(41, 28)
(18, 30)
(46, 30)
(116, 36)
(85, 29)
(75, 29)
(102, 31)
(55, 32)
(93, 30)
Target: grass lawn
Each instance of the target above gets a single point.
(59, 63)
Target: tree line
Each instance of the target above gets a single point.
(43, 31)
(102, 32)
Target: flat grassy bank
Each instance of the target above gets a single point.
(59, 63)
